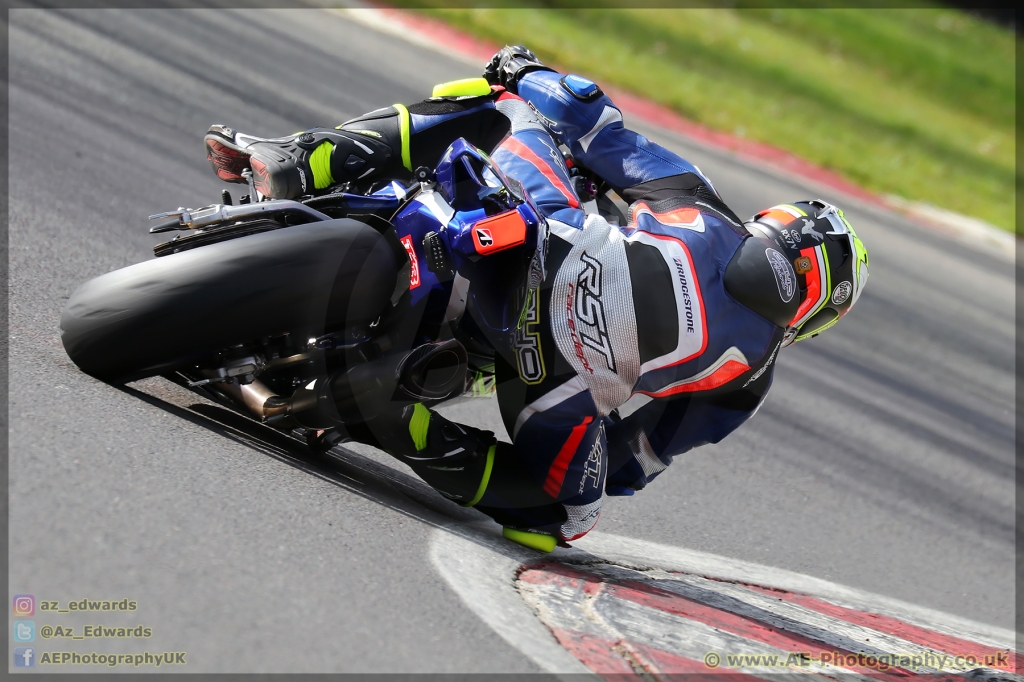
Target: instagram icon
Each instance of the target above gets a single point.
(24, 605)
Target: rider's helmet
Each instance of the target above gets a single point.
(830, 261)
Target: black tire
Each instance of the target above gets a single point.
(167, 312)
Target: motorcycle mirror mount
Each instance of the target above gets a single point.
(425, 176)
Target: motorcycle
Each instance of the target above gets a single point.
(322, 312)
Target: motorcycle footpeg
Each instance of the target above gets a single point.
(320, 441)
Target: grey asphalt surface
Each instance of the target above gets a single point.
(883, 458)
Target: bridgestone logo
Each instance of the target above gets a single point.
(684, 286)
(784, 276)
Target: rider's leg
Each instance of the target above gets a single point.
(389, 142)
(288, 167)
(470, 467)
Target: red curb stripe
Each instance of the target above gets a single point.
(744, 626)
(916, 634)
(442, 33)
(652, 597)
(664, 117)
(594, 652)
(560, 575)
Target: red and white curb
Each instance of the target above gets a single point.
(435, 34)
(613, 605)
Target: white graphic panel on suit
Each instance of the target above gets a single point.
(592, 318)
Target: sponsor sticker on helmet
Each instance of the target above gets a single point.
(784, 277)
(802, 265)
(842, 292)
(810, 230)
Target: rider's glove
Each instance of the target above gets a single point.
(510, 64)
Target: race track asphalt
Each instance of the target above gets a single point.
(883, 458)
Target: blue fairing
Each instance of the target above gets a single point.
(468, 189)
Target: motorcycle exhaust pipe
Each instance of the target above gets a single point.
(256, 396)
(433, 371)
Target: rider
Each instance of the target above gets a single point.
(645, 340)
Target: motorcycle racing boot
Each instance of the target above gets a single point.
(308, 162)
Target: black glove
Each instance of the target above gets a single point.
(510, 64)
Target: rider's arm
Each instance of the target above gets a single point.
(591, 126)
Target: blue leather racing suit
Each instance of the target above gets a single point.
(633, 351)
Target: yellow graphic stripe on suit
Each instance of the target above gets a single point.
(484, 480)
(419, 424)
(403, 123)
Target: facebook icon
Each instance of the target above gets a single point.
(24, 657)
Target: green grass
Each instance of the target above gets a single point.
(919, 102)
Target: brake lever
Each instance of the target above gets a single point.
(177, 220)
(167, 226)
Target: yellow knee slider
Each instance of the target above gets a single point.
(538, 541)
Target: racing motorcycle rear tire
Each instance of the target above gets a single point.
(169, 312)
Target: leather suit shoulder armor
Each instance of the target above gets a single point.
(761, 278)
